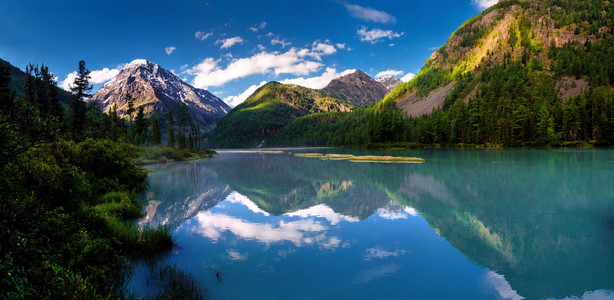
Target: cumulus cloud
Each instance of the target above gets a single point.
(318, 82)
(200, 35)
(369, 14)
(484, 4)
(295, 61)
(340, 46)
(376, 35)
(408, 77)
(323, 48)
(380, 253)
(257, 27)
(229, 42)
(300, 233)
(389, 73)
(170, 49)
(323, 211)
(500, 284)
(278, 41)
(97, 76)
(238, 99)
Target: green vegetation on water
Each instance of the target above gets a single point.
(363, 158)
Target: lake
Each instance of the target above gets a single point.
(465, 224)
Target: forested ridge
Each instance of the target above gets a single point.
(524, 73)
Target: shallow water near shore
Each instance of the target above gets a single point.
(465, 224)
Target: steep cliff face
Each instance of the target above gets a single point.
(159, 90)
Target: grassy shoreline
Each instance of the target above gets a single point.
(66, 212)
(155, 155)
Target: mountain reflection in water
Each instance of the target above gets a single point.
(539, 220)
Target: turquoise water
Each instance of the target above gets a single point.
(466, 224)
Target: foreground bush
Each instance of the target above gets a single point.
(64, 229)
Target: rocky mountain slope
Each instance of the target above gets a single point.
(356, 88)
(268, 110)
(512, 30)
(159, 90)
(523, 72)
(389, 82)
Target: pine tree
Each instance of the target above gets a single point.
(140, 125)
(77, 109)
(50, 95)
(156, 136)
(7, 97)
(171, 128)
(130, 101)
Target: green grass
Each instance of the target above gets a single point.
(155, 154)
(366, 158)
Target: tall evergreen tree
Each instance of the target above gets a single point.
(77, 109)
(7, 97)
(140, 126)
(129, 100)
(171, 128)
(156, 136)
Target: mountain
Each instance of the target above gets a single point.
(389, 82)
(525, 72)
(528, 32)
(356, 88)
(159, 90)
(267, 110)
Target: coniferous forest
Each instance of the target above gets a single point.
(69, 187)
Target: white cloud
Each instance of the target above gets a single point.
(389, 73)
(257, 27)
(260, 47)
(318, 82)
(323, 211)
(376, 35)
(594, 295)
(500, 284)
(235, 197)
(323, 48)
(97, 76)
(369, 14)
(340, 46)
(229, 42)
(300, 232)
(408, 77)
(379, 253)
(236, 255)
(278, 41)
(484, 4)
(200, 35)
(170, 49)
(295, 61)
(238, 99)
(66, 83)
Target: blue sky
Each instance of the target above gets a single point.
(231, 47)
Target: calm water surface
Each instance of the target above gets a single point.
(466, 224)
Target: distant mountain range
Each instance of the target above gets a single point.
(357, 88)
(159, 90)
(268, 110)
